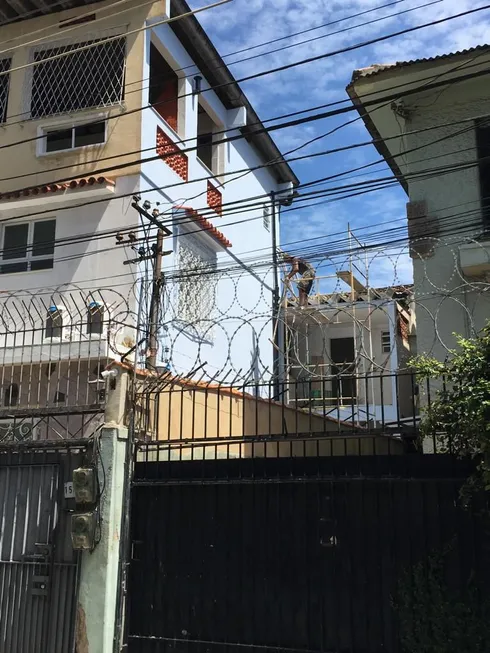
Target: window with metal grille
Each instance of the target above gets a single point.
(4, 87)
(54, 323)
(93, 77)
(95, 318)
(28, 246)
(385, 342)
(196, 289)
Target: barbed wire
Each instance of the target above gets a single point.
(225, 322)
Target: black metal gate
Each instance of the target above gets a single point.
(296, 554)
(38, 567)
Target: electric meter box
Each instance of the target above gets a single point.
(85, 485)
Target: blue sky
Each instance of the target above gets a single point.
(244, 23)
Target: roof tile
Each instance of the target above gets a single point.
(56, 188)
(377, 68)
(206, 226)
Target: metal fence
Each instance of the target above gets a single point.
(53, 347)
(38, 566)
(197, 419)
(357, 554)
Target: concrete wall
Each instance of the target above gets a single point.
(124, 131)
(80, 268)
(241, 316)
(447, 301)
(40, 412)
(311, 353)
(199, 414)
(242, 311)
(448, 304)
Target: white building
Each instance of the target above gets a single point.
(429, 120)
(347, 355)
(97, 107)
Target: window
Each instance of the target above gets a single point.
(28, 246)
(164, 88)
(82, 80)
(79, 136)
(11, 397)
(483, 151)
(267, 217)
(59, 397)
(95, 319)
(343, 358)
(207, 150)
(197, 286)
(4, 87)
(385, 342)
(54, 323)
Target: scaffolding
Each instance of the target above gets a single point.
(356, 277)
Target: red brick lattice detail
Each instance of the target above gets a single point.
(165, 147)
(215, 199)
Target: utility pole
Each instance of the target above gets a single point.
(157, 283)
(275, 298)
(156, 254)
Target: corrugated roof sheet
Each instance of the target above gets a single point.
(377, 68)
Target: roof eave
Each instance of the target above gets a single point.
(378, 141)
(208, 60)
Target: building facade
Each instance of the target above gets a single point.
(347, 356)
(99, 109)
(429, 121)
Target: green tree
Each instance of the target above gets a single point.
(434, 619)
(458, 417)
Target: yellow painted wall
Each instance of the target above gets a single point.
(124, 132)
(186, 414)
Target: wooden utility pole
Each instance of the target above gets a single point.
(156, 291)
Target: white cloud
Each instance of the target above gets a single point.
(245, 23)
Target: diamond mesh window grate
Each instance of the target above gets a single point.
(82, 80)
(196, 294)
(4, 88)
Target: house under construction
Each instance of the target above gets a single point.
(346, 352)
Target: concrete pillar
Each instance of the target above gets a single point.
(99, 568)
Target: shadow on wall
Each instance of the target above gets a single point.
(203, 423)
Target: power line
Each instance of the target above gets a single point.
(117, 156)
(466, 227)
(299, 43)
(303, 199)
(272, 70)
(338, 252)
(70, 28)
(245, 49)
(85, 204)
(109, 39)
